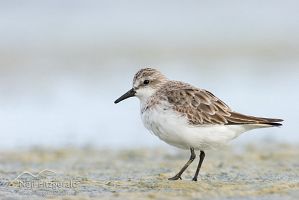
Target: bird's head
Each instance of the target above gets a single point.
(145, 83)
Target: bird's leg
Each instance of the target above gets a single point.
(201, 158)
(178, 175)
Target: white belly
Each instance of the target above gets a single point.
(175, 130)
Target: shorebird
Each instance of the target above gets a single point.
(188, 117)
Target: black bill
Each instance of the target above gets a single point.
(129, 94)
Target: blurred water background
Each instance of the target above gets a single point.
(63, 63)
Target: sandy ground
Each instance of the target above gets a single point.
(268, 171)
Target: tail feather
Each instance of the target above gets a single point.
(237, 118)
(273, 122)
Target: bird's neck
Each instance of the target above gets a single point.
(144, 102)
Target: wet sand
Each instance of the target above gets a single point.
(268, 171)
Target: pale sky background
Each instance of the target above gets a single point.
(63, 63)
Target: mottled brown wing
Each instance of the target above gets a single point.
(202, 107)
(199, 106)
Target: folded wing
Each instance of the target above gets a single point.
(202, 107)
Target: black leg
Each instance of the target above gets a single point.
(201, 158)
(178, 175)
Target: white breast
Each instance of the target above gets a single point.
(174, 129)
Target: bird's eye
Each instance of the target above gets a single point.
(145, 82)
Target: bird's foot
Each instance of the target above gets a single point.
(176, 177)
(194, 179)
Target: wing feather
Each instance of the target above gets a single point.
(202, 107)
